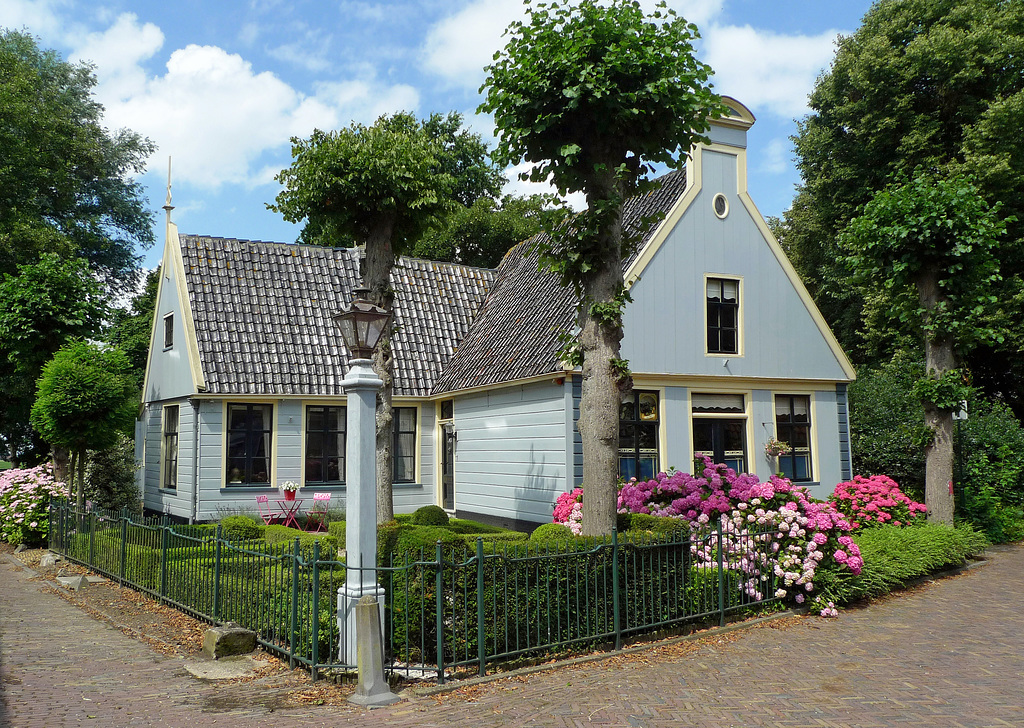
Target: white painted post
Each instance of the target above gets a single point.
(361, 385)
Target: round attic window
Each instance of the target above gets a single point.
(720, 205)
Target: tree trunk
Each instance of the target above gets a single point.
(80, 500)
(939, 359)
(61, 465)
(71, 477)
(602, 388)
(380, 258)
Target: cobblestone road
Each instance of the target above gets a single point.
(948, 653)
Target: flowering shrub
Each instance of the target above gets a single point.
(768, 529)
(24, 500)
(874, 501)
(569, 510)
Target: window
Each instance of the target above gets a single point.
(403, 450)
(325, 444)
(717, 431)
(723, 309)
(169, 479)
(638, 436)
(249, 442)
(169, 331)
(793, 427)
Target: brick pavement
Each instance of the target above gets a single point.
(949, 653)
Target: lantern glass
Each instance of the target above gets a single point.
(362, 324)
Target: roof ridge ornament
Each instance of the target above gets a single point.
(167, 203)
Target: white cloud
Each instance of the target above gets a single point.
(310, 51)
(767, 70)
(118, 54)
(775, 157)
(516, 186)
(41, 17)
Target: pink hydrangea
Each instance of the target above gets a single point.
(876, 500)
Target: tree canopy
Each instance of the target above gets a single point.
(590, 95)
(85, 399)
(921, 84)
(66, 182)
(929, 244)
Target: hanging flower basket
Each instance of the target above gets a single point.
(774, 448)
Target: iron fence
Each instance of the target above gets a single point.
(450, 610)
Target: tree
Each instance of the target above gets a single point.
(921, 83)
(85, 399)
(131, 327)
(42, 305)
(930, 244)
(66, 182)
(481, 234)
(382, 185)
(591, 95)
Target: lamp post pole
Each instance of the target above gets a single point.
(361, 325)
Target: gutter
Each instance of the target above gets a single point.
(195, 461)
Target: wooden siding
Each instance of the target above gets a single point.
(510, 459)
(665, 323)
(178, 502)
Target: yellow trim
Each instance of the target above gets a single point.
(733, 384)
(740, 328)
(275, 430)
(801, 290)
(746, 415)
(536, 379)
(187, 318)
(303, 404)
(744, 120)
(813, 434)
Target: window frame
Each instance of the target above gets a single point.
(636, 452)
(169, 448)
(168, 331)
(343, 431)
(710, 278)
(785, 433)
(741, 416)
(270, 445)
(396, 434)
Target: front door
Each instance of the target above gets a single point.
(448, 466)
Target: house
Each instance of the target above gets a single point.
(727, 350)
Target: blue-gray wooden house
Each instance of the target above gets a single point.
(727, 350)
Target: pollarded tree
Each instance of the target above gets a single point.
(85, 400)
(590, 95)
(929, 243)
(380, 185)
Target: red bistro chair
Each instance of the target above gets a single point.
(316, 517)
(268, 514)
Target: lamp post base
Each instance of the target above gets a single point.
(348, 597)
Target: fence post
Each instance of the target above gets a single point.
(295, 603)
(438, 588)
(216, 575)
(616, 606)
(163, 561)
(721, 575)
(481, 634)
(124, 545)
(92, 537)
(315, 627)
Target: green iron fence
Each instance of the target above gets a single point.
(454, 610)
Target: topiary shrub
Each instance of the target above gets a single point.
(430, 516)
(241, 528)
(277, 534)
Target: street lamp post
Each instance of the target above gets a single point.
(362, 325)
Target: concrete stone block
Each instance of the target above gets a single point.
(228, 639)
(75, 583)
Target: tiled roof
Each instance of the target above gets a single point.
(517, 333)
(263, 315)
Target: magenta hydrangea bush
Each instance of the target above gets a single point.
(569, 510)
(874, 501)
(24, 503)
(768, 529)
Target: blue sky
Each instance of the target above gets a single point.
(221, 86)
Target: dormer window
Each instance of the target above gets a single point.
(169, 331)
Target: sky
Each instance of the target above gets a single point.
(221, 86)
